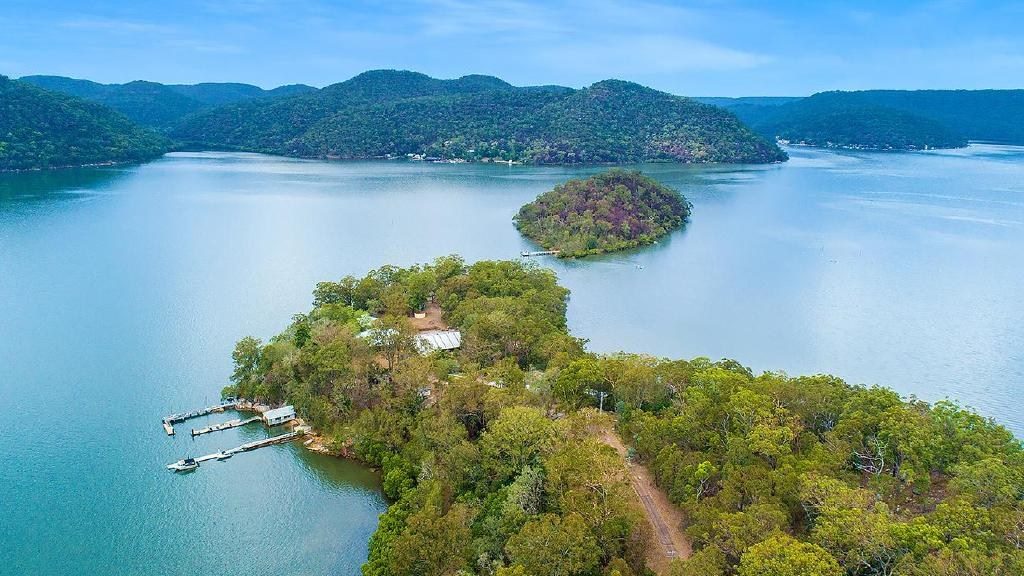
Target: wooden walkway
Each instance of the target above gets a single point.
(526, 254)
(169, 421)
(250, 446)
(225, 425)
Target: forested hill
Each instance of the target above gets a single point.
(391, 113)
(157, 105)
(887, 118)
(832, 121)
(42, 129)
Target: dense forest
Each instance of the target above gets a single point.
(827, 123)
(614, 210)
(887, 119)
(42, 129)
(492, 458)
(156, 105)
(388, 113)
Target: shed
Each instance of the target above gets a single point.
(279, 415)
(431, 340)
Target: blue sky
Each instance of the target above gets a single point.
(700, 48)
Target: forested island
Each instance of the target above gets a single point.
(614, 210)
(41, 129)
(389, 113)
(498, 462)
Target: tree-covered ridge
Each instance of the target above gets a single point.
(848, 479)
(614, 210)
(42, 129)
(490, 456)
(887, 119)
(828, 121)
(387, 113)
(157, 105)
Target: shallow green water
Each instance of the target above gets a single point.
(122, 292)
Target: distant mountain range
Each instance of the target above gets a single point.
(388, 113)
(887, 119)
(51, 121)
(43, 129)
(161, 106)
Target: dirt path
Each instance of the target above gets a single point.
(666, 519)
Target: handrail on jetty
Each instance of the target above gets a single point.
(250, 446)
(170, 421)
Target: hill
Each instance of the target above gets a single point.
(888, 119)
(830, 122)
(393, 113)
(615, 210)
(42, 129)
(158, 105)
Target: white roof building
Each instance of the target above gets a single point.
(431, 340)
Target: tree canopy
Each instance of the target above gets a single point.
(492, 459)
(41, 129)
(614, 210)
(388, 113)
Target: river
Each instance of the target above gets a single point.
(123, 290)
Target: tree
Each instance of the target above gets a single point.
(782, 555)
(246, 357)
(514, 441)
(433, 544)
(554, 546)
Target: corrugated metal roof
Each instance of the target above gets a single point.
(439, 340)
(281, 412)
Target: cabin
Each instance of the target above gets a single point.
(279, 415)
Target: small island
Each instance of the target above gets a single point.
(611, 211)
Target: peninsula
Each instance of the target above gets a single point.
(503, 452)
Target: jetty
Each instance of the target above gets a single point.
(250, 446)
(526, 254)
(235, 423)
(169, 421)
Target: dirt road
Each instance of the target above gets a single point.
(666, 519)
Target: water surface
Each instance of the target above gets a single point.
(123, 290)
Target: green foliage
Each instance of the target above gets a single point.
(41, 129)
(158, 105)
(781, 555)
(852, 475)
(387, 113)
(834, 123)
(490, 459)
(614, 210)
(896, 119)
(554, 546)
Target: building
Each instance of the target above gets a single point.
(279, 415)
(431, 340)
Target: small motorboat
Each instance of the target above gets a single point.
(186, 465)
(224, 455)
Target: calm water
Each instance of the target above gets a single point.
(122, 292)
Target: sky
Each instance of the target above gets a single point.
(696, 48)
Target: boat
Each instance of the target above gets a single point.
(186, 465)
(224, 455)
